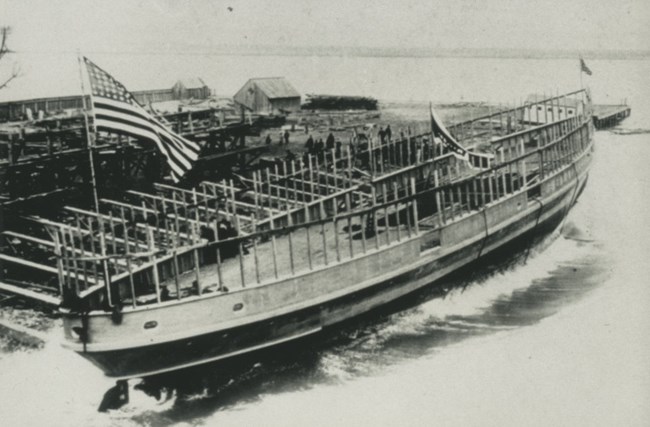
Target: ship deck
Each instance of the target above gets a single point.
(280, 220)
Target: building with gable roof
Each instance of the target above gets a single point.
(270, 95)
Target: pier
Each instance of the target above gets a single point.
(606, 116)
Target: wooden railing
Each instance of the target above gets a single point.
(294, 216)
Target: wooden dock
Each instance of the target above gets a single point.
(606, 116)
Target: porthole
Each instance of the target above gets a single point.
(237, 306)
(150, 324)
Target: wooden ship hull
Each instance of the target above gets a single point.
(159, 282)
(361, 293)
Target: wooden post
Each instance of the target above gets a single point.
(286, 186)
(257, 261)
(66, 259)
(270, 188)
(273, 247)
(475, 191)
(83, 250)
(307, 220)
(408, 149)
(441, 216)
(206, 205)
(311, 178)
(347, 147)
(374, 215)
(152, 259)
(397, 213)
(489, 180)
(336, 188)
(59, 260)
(327, 181)
(303, 194)
(381, 156)
(215, 228)
(196, 238)
(255, 198)
(291, 260)
(176, 273)
(232, 201)
(93, 253)
(371, 156)
(349, 222)
(415, 206)
(322, 230)
(336, 238)
(112, 228)
(176, 220)
(384, 194)
(317, 168)
(363, 220)
(294, 181)
(450, 191)
(240, 251)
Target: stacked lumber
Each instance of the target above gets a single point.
(333, 102)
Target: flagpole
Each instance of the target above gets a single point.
(91, 150)
(88, 138)
(580, 71)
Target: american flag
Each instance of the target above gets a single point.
(440, 132)
(116, 110)
(584, 68)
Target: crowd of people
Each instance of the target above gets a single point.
(400, 149)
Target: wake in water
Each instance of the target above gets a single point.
(498, 296)
(630, 131)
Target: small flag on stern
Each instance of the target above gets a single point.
(116, 110)
(440, 132)
(584, 68)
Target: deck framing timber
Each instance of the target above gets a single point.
(290, 217)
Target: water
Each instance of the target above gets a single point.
(558, 340)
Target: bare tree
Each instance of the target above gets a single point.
(4, 50)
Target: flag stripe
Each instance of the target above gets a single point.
(132, 110)
(134, 122)
(173, 162)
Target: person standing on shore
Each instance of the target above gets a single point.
(309, 145)
(329, 143)
(319, 148)
(382, 134)
(286, 137)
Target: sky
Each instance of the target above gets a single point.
(47, 34)
(164, 25)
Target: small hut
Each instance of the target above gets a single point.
(269, 95)
(191, 88)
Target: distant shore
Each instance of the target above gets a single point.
(409, 52)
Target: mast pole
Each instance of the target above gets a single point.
(580, 71)
(91, 151)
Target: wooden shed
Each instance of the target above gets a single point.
(268, 95)
(191, 88)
